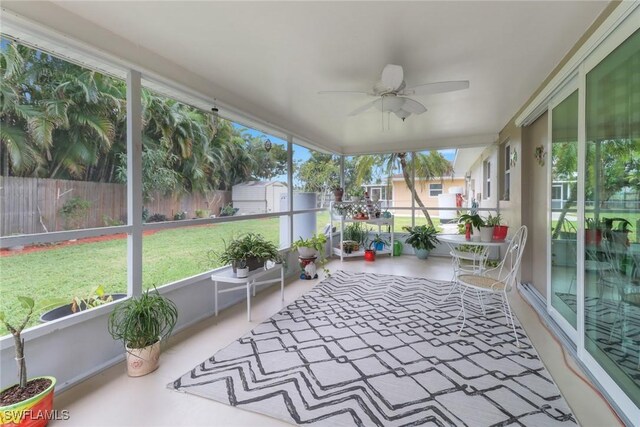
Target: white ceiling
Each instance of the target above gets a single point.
(278, 55)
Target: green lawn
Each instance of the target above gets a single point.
(68, 271)
(168, 255)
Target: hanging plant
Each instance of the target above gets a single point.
(540, 154)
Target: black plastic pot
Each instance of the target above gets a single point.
(65, 310)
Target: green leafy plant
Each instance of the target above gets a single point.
(475, 220)
(355, 191)
(318, 242)
(422, 237)
(179, 216)
(343, 209)
(202, 213)
(245, 247)
(142, 321)
(95, 298)
(593, 224)
(157, 217)
(16, 331)
(356, 231)
(493, 220)
(111, 222)
(377, 239)
(74, 211)
(228, 210)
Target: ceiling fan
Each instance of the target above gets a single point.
(392, 94)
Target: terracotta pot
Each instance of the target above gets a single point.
(142, 361)
(32, 412)
(592, 237)
(338, 193)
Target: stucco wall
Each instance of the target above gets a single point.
(402, 193)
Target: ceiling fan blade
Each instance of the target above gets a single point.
(364, 108)
(342, 92)
(392, 76)
(413, 107)
(440, 87)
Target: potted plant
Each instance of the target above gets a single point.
(619, 233)
(95, 298)
(315, 246)
(242, 270)
(470, 222)
(357, 232)
(27, 403)
(422, 238)
(499, 231)
(379, 243)
(338, 192)
(141, 324)
(593, 231)
(253, 248)
(356, 194)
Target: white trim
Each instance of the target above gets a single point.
(536, 107)
(567, 90)
(134, 183)
(626, 405)
(580, 200)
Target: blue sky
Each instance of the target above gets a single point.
(302, 154)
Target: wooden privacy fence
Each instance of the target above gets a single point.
(33, 205)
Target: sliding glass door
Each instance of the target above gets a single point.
(563, 196)
(612, 216)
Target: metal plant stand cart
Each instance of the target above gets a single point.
(340, 219)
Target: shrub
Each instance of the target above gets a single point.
(74, 211)
(157, 217)
(202, 213)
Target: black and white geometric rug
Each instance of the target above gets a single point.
(379, 350)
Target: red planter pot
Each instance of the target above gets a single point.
(500, 232)
(34, 412)
(369, 255)
(592, 237)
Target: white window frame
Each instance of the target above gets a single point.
(506, 183)
(437, 190)
(486, 178)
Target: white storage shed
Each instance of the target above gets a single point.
(254, 197)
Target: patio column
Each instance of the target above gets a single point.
(134, 182)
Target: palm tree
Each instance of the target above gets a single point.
(427, 167)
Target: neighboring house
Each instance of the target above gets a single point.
(429, 190)
(256, 197)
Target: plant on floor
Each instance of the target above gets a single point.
(141, 323)
(180, 216)
(252, 248)
(315, 245)
(24, 400)
(423, 238)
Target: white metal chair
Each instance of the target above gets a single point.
(497, 281)
(467, 262)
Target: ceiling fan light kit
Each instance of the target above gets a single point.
(392, 94)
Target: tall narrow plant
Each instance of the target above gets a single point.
(16, 331)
